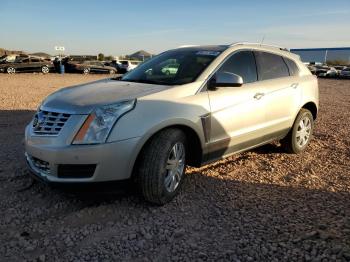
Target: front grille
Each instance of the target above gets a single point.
(76, 171)
(39, 164)
(49, 123)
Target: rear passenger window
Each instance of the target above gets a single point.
(270, 66)
(293, 68)
(242, 64)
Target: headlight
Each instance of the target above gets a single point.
(99, 123)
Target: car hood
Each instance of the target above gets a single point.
(82, 99)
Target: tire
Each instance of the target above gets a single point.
(11, 70)
(155, 175)
(300, 134)
(45, 70)
(111, 72)
(86, 71)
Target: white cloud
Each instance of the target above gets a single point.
(314, 35)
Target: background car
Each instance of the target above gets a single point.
(126, 65)
(332, 72)
(27, 64)
(170, 69)
(87, 67)
(345, 73)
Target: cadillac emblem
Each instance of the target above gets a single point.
(38, 120)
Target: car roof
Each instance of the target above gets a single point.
(256, 46)
(219, 48)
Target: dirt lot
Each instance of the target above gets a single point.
(259, 205)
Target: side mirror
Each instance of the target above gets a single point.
(225, 79)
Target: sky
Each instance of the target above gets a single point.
(123, 27)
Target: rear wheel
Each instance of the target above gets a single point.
(161, 166)
(86, 71)
(11, 70)
(45, 69)
(300, 135)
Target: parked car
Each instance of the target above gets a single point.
(87, 67)
(321, 70)
(27, 64)
(148, 127)
(170, 69)
(312, 69)
(331, 72)
(345, 73)
(126, 65)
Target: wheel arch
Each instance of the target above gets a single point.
(311, 106)
(193, 157)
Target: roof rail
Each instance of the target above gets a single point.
(183, 46)
(259, 44)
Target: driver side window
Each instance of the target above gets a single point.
(242, 64)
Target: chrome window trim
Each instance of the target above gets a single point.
(219, 66)
(201, 88)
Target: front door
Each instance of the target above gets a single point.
(237, 113)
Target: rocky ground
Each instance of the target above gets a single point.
(260, 205)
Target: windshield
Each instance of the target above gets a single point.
(175, 67)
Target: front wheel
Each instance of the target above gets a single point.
(45, 70)
(300, 135)
(161, 166)
(86, 71)
(111, 72)
(11, 70)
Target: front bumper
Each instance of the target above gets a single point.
(111, 161)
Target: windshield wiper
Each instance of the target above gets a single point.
(143, 81)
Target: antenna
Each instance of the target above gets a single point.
(262, 40)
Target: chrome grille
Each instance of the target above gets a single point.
(49, 123)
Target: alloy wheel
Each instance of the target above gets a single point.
(45, 69)
(11, 70)
(304, 131)
(175, 167)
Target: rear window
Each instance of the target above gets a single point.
(293, 68)
(270, 66)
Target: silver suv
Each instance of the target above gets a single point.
(149, 124)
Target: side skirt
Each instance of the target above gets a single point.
(226, 152)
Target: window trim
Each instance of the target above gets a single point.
(282, 60)
(296, 64)
(203, 88)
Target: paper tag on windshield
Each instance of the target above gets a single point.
(212, 53)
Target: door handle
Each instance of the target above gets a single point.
(258, 96)
(294, 85)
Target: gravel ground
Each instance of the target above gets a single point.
(261, 205)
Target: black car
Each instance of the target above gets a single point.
(87, 67)
(26, 64)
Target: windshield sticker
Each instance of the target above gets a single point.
(211, 53)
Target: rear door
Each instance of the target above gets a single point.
(237, 113)
(282, 92)
(97, 67)
(34, 65)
